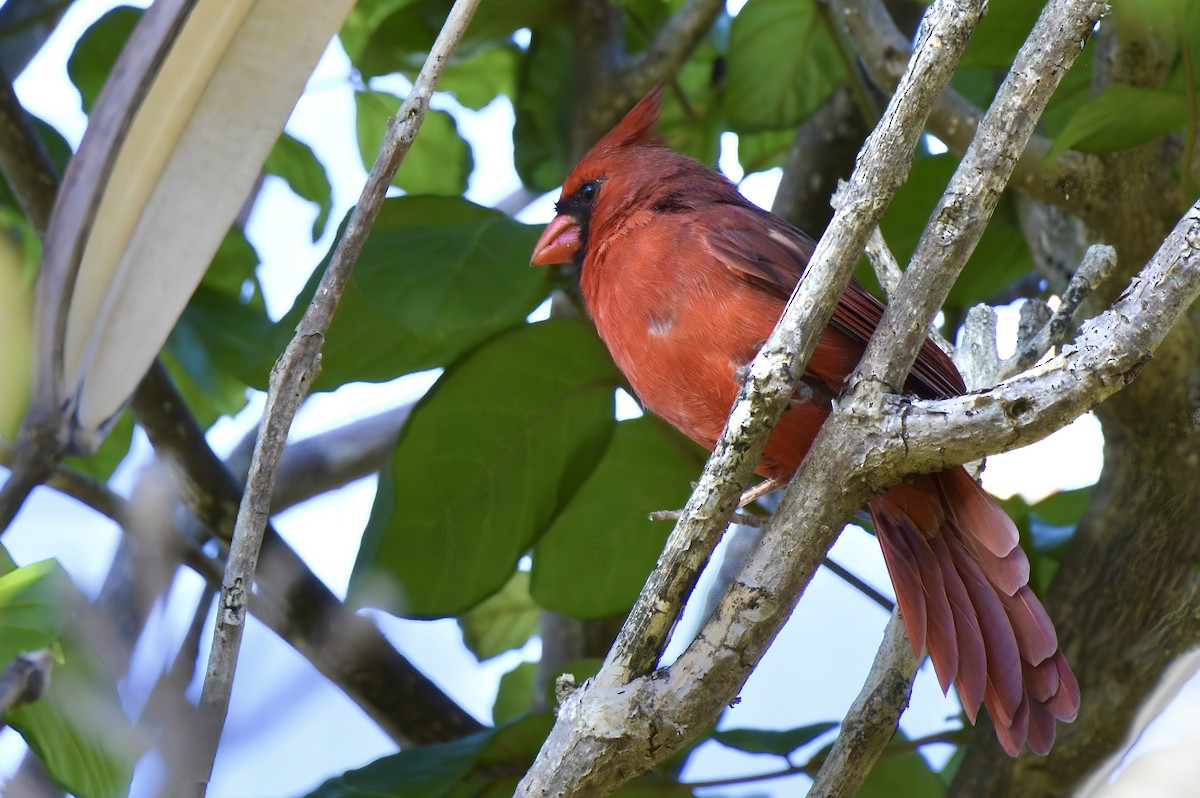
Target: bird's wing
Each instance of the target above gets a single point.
(769, 254)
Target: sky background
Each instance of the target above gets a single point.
(289, 729)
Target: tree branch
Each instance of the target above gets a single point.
(931, 435)
(329, 460)
(291, 378)
(346, 648)
(626, 719)
(81, 487)
(1071, 181)
(611, 92)
(958, 221)
(821, 154)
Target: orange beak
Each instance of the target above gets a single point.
(558, 243)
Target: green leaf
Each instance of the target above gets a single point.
(437, 276)
(758, 152)
(543, 102)
(503, 622)
(77, 729)
(472, 766)
(906, 774)
(427, 771)
(597, 554)
(783, 65)
(440, 160)
(1121, 117)
(223, 328)
(362, 22)
(769, 741)
(295, 162)
(7, 564)
(97, 50)
(515, 695)
(477, 81)
(1001, 33)
(486, 461)
(1001, 256)
(33, 608)
(1064, 508)
(400, 40)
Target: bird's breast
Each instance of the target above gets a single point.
(681, 348)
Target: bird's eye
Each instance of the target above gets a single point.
(588, 191)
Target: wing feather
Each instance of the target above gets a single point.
(771, 255)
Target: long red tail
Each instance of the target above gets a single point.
(962, 583)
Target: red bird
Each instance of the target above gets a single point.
(685, 279)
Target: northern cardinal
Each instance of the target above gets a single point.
(685, 279)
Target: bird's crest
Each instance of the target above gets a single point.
(638, 125)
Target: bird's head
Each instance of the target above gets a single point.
(602, 184)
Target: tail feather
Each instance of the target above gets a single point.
(906, 577)
(940, 630)
(1032, 625)
(961, 581)
(971, 682)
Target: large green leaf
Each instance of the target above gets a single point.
(1121, 117)
(514, 697)
(440, 160)
(362, 22)
(222, 329)
(295, 162)
(1001, 256)
(487, 459)
(33, 608)
(906, 774)
(1001, 33)
(780, 742)
(473, 766)
(381, 43)
(97, 50)
(437, 276)
(758, 152)
(594, 559)
(426, 771)
(476, 81)
(783, 64)
(76, 729)
(543, 102)
(503, 622)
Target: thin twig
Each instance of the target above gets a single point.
(857, 582)
(291, 379)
